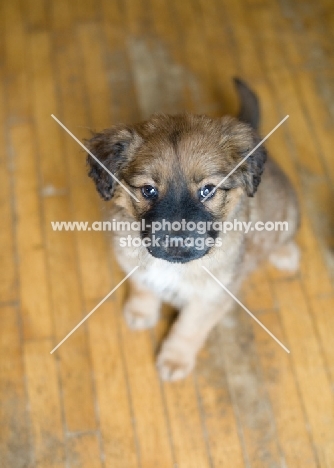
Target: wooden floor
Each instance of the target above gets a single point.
(97, 401)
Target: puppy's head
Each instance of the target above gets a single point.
(171, 163)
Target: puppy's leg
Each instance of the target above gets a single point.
(142, 308)
(177, 356)
(286, 257)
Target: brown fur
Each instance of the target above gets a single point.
(191, 151)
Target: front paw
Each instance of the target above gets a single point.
(175, 362)
(286, 258)
(139, 315)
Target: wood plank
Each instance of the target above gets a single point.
(137, 17)
(308, 24)
(34, 293)
(8, 273)
(305, 81)
(15, 59)
(85, 202)
(314, 273)
(118, 64)
(195, 57)
(153, 76)
(257, 292)
(313, 280)
(283, 390)
(242, 43)
(322, 314)
(45, 405)
(85, 10)
(36, 14)
(311, 88)
(44, 99)
(61, 15)
(219, 415)
(305, 142)
(314, 181)
(148, 405)
(172, 77)
(318, 110)
(115, 412)
(92, 49)
(309, 368)
(267, 40)
(84, 451)
(222, 61)
(61, 248)
(283, 85)
(15, 442)
(251, 403)
(188, 433)
(288, 20)
(75, 364)
(312, 260)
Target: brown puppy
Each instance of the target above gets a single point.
(171, 163)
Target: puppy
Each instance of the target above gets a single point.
(172, 164)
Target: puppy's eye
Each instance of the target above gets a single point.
(206, 190)
(149, 192)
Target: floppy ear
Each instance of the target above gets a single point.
(242, 139)
(113, 148)
(255, 165)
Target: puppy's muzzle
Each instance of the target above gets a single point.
(179, 247)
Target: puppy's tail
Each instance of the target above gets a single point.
(249, 104)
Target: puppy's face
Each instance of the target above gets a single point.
(171, 163)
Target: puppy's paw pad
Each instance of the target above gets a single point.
(138, 320)
(286, 258)
(171, 368)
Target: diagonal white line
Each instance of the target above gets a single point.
(94, 157)
(248, 311)
(96, 307)
(244, 159)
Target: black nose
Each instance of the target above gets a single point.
(175, 245)
(178, 248)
